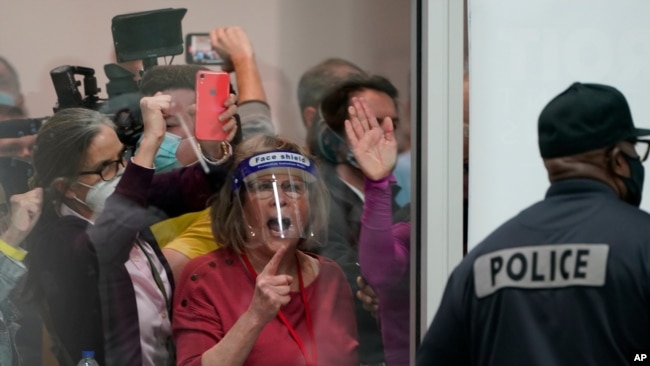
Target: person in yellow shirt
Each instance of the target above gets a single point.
(185, 237)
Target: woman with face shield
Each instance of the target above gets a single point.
(261, 299)
(93, 264)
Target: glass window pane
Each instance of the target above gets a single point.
(105, 266)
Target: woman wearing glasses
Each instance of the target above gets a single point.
(262, 300)
(98, 274)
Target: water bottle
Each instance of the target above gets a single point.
(88, 359)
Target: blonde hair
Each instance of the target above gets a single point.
(226, 216)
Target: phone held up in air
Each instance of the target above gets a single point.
(198, 50)
(212, 90)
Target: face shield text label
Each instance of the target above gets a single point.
(285, 157)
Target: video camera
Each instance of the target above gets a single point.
(142, 36)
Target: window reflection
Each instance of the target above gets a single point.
(281, 55)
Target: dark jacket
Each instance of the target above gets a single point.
(565, 282)
(80, 269)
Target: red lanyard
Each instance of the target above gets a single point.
(285, 321)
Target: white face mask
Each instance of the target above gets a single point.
(99, 192)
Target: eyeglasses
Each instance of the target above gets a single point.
(108, 170)
(266, 188)
(642, 148)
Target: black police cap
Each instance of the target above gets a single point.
(585, 117)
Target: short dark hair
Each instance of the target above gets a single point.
(320, 78)
(326, 136)
(165, 77)
(334, 107)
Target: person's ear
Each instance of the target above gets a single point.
(62, 186)
(308, 116)
(618, 163)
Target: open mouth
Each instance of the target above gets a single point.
(279, 226)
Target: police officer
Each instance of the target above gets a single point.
(565, 282)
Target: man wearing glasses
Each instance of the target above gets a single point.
(565, 282)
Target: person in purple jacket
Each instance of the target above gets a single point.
(384, 242)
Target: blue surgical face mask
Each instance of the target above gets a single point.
(7, 99)
(165, 159)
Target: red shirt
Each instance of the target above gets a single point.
(215, 289)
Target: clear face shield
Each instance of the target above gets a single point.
(274, 191)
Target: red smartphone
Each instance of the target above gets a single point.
(212, 90)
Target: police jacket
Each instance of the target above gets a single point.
(565, 282)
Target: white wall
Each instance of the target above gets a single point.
(522, 54)
(289, 36)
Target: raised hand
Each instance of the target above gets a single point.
(232, 44)
(227, 117)
(374, 146)
(154, 110)
(271, 290)
(25, 211)
(213, 149)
